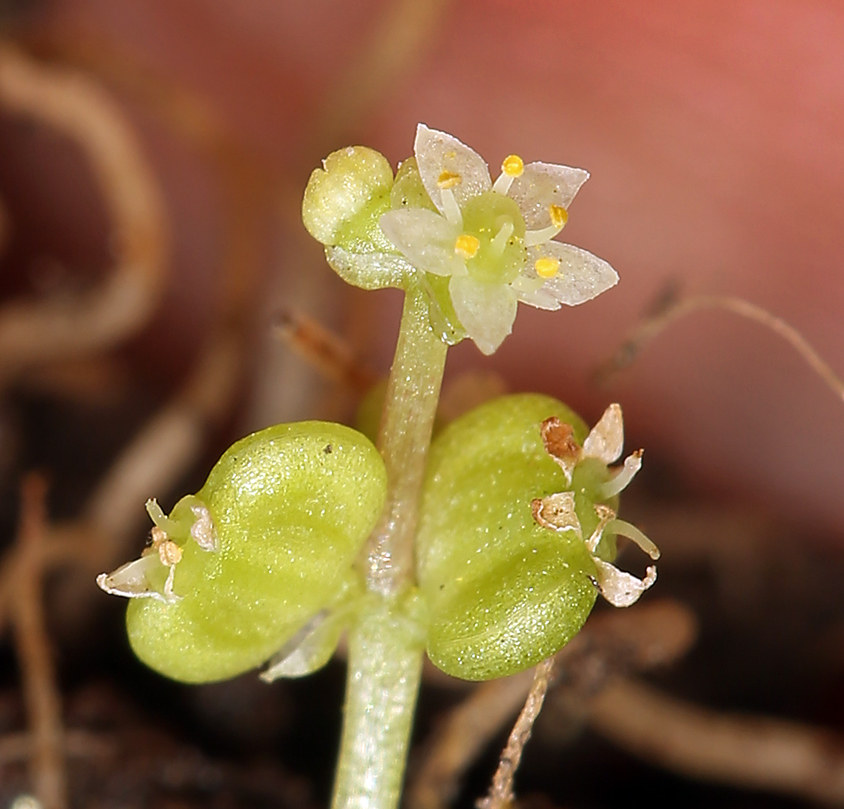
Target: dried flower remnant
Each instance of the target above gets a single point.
(143, 577)
(494, 240)
(564, 511)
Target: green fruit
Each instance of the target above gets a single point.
(503, 592)
(290, 508)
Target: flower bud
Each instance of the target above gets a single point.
(345, 199)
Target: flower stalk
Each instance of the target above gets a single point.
(413, 392)
(386, 643)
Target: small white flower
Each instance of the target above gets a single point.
(494, 240)
(559, 511)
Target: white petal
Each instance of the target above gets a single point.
(621, 589)
(605, 516)
(438, 152)
(425, 239)
(606, 438)
(486, 311)
(581, 277)
(542, 185)
(369, 270)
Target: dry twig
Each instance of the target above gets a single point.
(748, 751)
(651, 635)
(500, 794)
(324, 350)
(673, 310)
(401, 33)
(41, 695)
(76, 743)
(173, 438)
(33, 334)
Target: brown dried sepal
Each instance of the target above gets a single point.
(558, 439)
(556, 511)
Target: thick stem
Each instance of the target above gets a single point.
(385, 645)
(410, 405)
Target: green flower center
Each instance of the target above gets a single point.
(495, 229)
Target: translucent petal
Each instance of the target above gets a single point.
(368, 270)
(425, 239)
(539, 298)
(605, 516)
(542, 185)
(606, 439)
(438, 152)
(487, 311)
(621, 589)
(309, 650)
(131, 580)
(581, 276)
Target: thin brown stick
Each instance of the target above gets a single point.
(172, 439)
(4, 225)
(41, 696)
(324, 350)
(397, 40)
(748, 751)
(653, 634)
(650, 328)
(464, 736)
(161, 452)
(501, 793)
(77, 744)
(32, 334)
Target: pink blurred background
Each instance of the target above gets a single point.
(714, 133)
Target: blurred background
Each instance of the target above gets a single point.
(153, 268)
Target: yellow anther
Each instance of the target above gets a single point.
(547, 267)
(513, 166)
(467, 245)
(448, 179)
(559, 215)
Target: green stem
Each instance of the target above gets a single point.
(410, 406)
(385, 665)
(386, 644)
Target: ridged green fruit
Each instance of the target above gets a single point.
(502, 591)
(290, 508)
